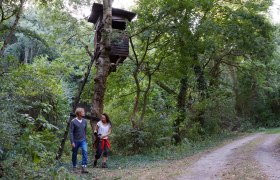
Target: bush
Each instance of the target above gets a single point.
(155, 132)
(128, 140)
(33, 103)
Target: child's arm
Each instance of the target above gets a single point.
(96, 129)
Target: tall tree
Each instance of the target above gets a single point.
(205, 37)
(102, 63)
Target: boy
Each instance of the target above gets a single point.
(78, 128)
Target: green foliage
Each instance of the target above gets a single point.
(132, 140)
(228, 52)
(154, 133)
(32, 153)
(195, 132)
(33, 105)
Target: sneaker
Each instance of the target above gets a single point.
(84, 170)
(104, 165)
(94, 163)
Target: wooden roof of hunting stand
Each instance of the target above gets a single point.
(120, 39)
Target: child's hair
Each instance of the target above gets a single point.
(107, 118)
(78, 110)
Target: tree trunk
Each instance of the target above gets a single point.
(2, 173)
(2, 12)
(233, 75)
(166, 88)
(215, 74)
(26, 53)
(31, 55)
(201, 83)
(181, 108)
(201, 87)
(137, 99)
(146, 93)
(13, 28)
(102, 64)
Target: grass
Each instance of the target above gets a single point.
(273, 131)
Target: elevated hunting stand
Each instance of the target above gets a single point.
(119, 38)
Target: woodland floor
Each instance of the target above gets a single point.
(252, 157)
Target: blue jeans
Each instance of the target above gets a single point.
(83, 145)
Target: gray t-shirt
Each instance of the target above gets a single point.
(78, 130)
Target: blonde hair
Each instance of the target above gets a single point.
(78, 110)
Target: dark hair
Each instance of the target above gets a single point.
(107, 118)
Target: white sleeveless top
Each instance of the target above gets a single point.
(103, 129)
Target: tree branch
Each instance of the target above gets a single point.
(148, 26)
(166, 88)
(146, 50)
(158, 65)
(124, 95)
(230, 64)
(133, 49)
(87, 48)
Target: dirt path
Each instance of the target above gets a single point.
(210, 165)
(267, 154)
(253, 157)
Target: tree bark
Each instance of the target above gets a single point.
(201, 83)
(236, 95)
(166, 88)
(2, 173)
(201, 87)
(215, 73)
(31, 54)
(102, 64)
(181, 108)
(13, 28)
(136, 100)
(26, 53)
(2, 12)
(238, 107)
(146, 93)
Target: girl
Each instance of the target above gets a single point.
(103, 129)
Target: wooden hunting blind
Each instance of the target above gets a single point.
(120, 39)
